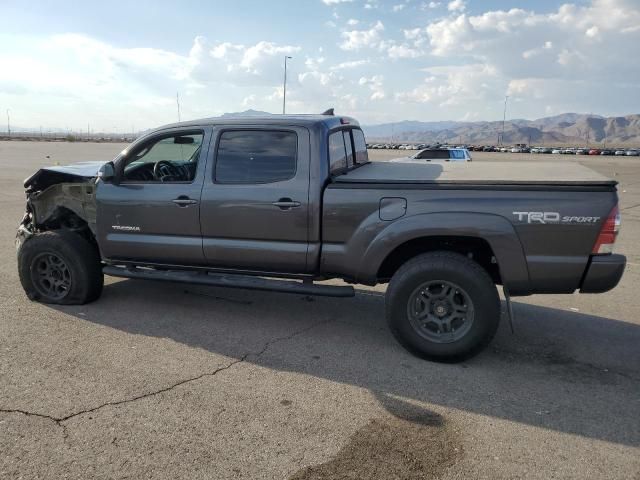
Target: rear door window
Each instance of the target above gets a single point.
(256, 156)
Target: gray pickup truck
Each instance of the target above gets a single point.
(282, 202)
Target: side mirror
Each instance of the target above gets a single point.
(107, 173)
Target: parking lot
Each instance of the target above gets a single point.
(171, 381)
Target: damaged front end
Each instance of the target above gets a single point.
(60, 198)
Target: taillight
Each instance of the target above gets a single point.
(608, 233)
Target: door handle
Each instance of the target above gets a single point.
(184, 201)
(286, 204)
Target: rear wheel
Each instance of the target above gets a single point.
(442, 306)
(60, 267)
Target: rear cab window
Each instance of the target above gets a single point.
(347, 150)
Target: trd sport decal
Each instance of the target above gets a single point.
(552, 217)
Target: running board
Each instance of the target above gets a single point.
(231, 281)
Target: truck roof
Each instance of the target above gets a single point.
(303, 120)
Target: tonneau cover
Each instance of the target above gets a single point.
(475, 173)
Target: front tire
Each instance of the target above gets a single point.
(60, 267)
(442, 306)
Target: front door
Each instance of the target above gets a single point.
(152, 214)
(255, 200)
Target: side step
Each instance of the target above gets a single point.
(231, 280)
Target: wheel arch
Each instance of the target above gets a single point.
(485, 235)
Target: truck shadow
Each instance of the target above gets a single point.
(561, 370)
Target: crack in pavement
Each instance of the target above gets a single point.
(630, 207)
(60, 421)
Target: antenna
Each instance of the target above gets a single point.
(178, 104)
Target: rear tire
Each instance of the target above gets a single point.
(60, 267)
(442, 306)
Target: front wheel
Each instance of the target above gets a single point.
(442, 306)
(60, 267)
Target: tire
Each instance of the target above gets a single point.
(434, 321)
(60, 267)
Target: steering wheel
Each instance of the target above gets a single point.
(164, 168)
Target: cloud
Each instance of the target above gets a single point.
(456, 6)
(249, 100)
(359, 39)
(575, 57)
(224, 62)
(403, 51)
(464, 85)
(522, 43)
(375, 85)
(335, 2)
(561, 58)
(397, 8)
(349, 65)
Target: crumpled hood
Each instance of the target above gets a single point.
(78, 172)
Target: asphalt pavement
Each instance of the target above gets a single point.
(171, 381)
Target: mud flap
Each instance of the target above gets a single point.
(507, 298)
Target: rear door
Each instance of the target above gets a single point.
(254, 211)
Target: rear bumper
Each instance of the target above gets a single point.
(603, 273)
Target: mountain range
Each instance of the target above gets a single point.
(563, 129)
(576, 129)
(571, 129)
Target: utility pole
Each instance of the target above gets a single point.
(8, 123)
(178, 104)
(504, 117)
(284, 85)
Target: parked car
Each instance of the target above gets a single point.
(556, 151)
(594, 151)
(439, 154)
(606, 152)
(632, 153)
(620, 152)
(277, 202)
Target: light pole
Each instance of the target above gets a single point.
(178, 104)
(284, 86)
(504, 117)
(8, 123)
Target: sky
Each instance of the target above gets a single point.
(118, 65)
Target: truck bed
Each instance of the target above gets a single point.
(472, 173)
